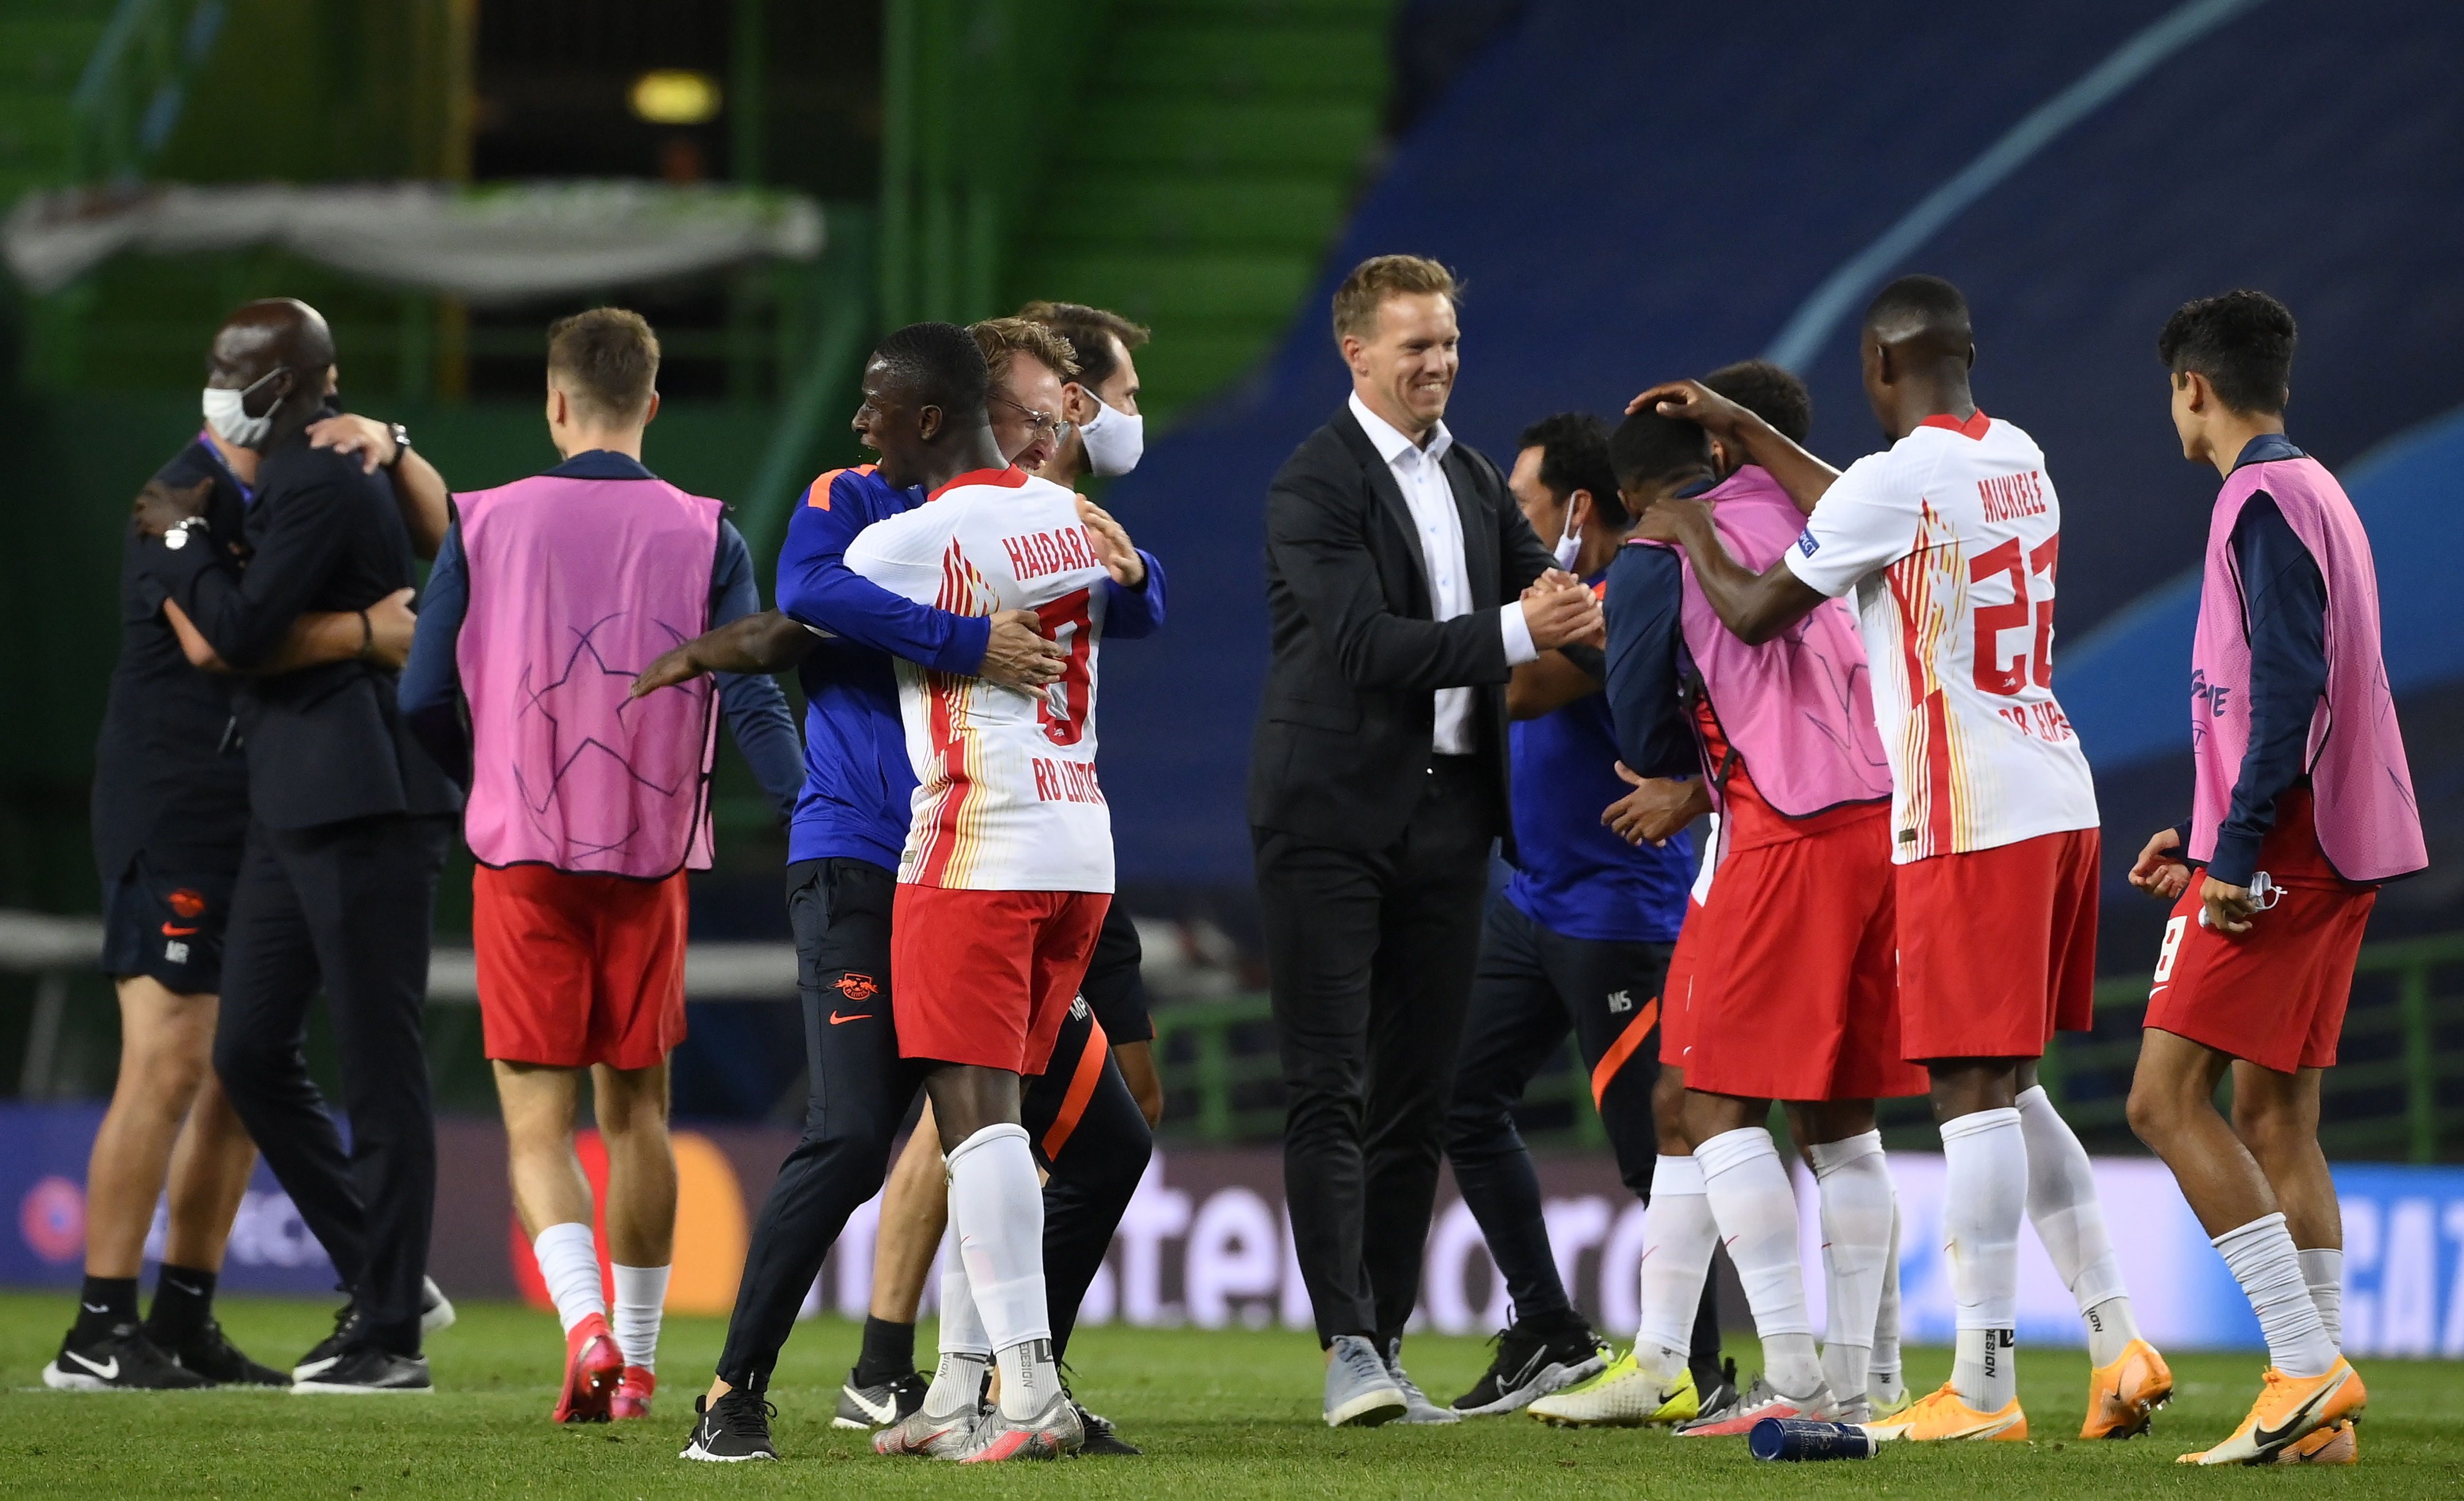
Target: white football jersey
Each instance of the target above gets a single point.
(1006, 797)
(1951, 538)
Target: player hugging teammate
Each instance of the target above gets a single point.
(1950, 542)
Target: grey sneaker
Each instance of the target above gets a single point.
(1359, 1389)
(1050, 1434)
(1417, 1406)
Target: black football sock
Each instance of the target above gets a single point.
(888, 1352)
(184, 1300)
(104, 1304)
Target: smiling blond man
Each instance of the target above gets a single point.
(1404, 587)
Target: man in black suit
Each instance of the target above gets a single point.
(349, 824)
(1394, 559)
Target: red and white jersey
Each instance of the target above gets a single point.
(1006, 797)
(1951, 538)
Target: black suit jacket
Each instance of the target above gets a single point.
(325, 743)
(1343, 737)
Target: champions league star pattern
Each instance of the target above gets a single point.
(584, 708)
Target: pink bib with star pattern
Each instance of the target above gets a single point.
(576, 585)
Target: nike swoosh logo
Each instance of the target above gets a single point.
(2270, 1437)
(878, 1412)
(837, 1020)
(169, 931)
(94, 1307)
(108, 1370)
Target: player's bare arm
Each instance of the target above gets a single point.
(763, 642)
(1755, 607)
(2229, 907)
(1742, 432)
(427, 505)
(380, 634)
(1113, 548)
(2158, 872)
(1656, 809)
(1015, 655)
(1546, 684)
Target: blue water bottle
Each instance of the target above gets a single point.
(1803, 1438)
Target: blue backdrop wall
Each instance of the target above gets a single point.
(1635, 192)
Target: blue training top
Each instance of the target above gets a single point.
(1575, 877)
(858, 782)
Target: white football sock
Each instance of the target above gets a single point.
(962, 1328)
(1678, 1237)
(1984, 1195)
(2324, 1270)
(1750, 1198)
(1857, 1214)
(2068, 1216)
(1029, 1378)
(641, 1298)
(568, 1263)
(2263, 1261)
(957, 1381)
(1883, 1384)
(997, 1209)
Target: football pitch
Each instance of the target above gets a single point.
(1221, 1415)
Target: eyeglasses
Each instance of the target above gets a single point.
(1044, 424)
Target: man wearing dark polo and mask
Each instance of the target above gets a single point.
(349, 822)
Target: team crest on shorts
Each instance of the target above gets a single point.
(188, 902)
(857, 986)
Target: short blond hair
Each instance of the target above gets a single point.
(608, 361)
(1380, 277)
(1003, 340)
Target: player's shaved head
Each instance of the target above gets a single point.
(270, 333)
(1914, 354)
(935, 364)
(1921, 314)
(1647, 452)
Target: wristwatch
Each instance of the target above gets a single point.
(178, 537)
(400, 442)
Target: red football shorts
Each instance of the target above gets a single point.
(1796, 992)
(1997, 947)
(1677, 992)
(986, 978)
(2274, 995)
(579, 970)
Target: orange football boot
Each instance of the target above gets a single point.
(2337, 1443)
(592, 1367)
(632, 1399)
(2122, 1398)
(1943, 1416)
(2289, 1408)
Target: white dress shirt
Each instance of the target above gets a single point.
(1421, 473)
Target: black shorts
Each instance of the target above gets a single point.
(167, 923)
(1113, 988)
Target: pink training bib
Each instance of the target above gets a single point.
(2369, 824)
(576, 585)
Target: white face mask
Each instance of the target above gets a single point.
(1114, 440)
(1570, 546)
(227, 414)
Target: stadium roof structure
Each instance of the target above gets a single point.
(494, 243)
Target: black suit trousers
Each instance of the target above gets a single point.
(345, 906)
(861, 1091)
(1370, 961)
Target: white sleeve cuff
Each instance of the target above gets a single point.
(1518, 635)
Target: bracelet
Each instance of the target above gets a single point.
(367, 638)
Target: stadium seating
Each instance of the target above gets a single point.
(1633, 192)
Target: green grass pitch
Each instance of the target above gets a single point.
(1222, 1414)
